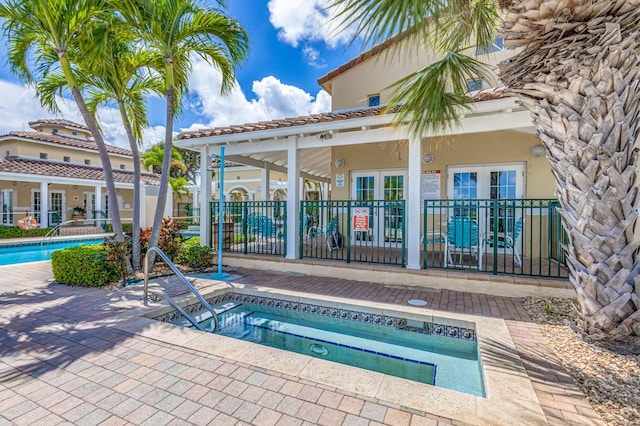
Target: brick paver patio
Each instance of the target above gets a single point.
(63, 361)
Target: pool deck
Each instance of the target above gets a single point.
(64, 358)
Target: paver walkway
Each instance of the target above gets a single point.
(62, 361)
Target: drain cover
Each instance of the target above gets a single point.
(417, 302)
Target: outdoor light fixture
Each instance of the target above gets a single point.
(537, 150)
(427, 158)
(339, 163)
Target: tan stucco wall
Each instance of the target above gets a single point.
(352, 88)
(31, 149)
(473, 149)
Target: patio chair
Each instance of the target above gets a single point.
(334, 238)
(263, 230)
(463, 237)
(508, 241)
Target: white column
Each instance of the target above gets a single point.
(194, 199)
(168, 205)
(143, 206)
(44, 204)
(265, 184)
(98, 194)
(324, 188)
(413, 207)
(205, 197)
(293, 197)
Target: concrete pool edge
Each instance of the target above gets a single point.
(510, 394)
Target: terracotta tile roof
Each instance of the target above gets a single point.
(325, 117)
(58, 122)
(16, 164)
(67, 141)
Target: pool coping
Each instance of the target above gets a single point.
(510, 396)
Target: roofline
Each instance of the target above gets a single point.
(477, 108)
(10, 136)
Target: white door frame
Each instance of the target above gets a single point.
(6, 218)
(377, 236)
(63, 202)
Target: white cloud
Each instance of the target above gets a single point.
(310, 20)
(274, 99)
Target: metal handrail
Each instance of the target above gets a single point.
(46, 240)
(185, 281)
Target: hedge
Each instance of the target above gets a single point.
(17, 232)
(83, 266)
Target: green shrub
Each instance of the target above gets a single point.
(17, 232)
(85, 266)
(239, 238)
(193, 254)
(126, 228)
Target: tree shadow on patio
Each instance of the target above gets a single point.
(52, 328)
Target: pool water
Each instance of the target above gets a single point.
(433, 359)
(24, 253)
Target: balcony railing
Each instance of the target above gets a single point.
(251, 226)
(501, 236)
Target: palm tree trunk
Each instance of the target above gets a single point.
(164, 177)
(114, 211)
(578, 74)
(135, 153)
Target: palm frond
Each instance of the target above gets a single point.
(432, 97)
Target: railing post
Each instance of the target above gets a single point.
(347, 237)
(245, 228)
(495, 236)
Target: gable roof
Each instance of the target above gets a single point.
(58, 122)
(64, 140)
(20, 165)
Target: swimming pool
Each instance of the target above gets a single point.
(11, 254)
(425, 350)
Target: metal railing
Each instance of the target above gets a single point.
(354, 231)
(172, 302)
(501, 236)
(251, 226)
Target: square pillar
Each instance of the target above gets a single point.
(205, 197)
(293, 197)
(44, 204)
(413, 205)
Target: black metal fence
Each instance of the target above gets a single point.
(251, 226)
(506, 236)
(353, 231)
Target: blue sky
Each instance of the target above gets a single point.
(292, 43)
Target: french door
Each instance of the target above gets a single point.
(488, 182)
(89, 202)
(58, 203)
(7, 207)
(378, 190)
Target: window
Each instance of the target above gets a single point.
(55, 131)
(8, 153)
(44, 156)
(66, 159)
(122, 167)
(474, 85)
(374, 100)
(87, 162)
(74, 133)
(496, 46)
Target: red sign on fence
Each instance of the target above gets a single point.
(360, 218)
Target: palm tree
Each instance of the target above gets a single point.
(43, 36)
(578, 73)
(121, 76)
(174, 30)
